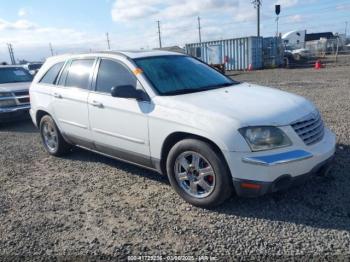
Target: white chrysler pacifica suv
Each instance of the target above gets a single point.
(174, 114)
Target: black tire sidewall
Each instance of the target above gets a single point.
(223, 181)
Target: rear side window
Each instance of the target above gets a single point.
(52, 74)
(112, 73)
(79, 73)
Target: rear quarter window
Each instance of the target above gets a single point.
(51, 75)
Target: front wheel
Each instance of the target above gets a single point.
(198, 173)
(53, 141)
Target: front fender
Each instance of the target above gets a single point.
(221, 130)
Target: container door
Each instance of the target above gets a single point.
(214, 54)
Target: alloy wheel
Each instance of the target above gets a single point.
(194, 174)
(50, 136)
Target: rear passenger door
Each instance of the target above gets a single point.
(119, 125)
(70, 100)
(41, 94)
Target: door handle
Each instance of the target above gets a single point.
(96, 104)
(57, 95)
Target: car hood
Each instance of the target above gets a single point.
(246, 103)
(12, 87)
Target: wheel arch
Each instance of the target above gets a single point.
(175, 137)
(39, 115)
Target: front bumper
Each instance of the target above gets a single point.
(248, 188)
(259, 172)
(13, 113)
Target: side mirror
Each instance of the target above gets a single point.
(128, 91)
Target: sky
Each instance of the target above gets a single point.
(73, 26)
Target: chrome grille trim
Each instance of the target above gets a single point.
(21, 93)
(310, 128)
(22, 97)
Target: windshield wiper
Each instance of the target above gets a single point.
(195, 90)
(184, 91)
(220, 85)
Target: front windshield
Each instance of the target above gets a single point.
(173, 75)
(14, 75)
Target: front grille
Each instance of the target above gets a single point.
(21, 93)
(8, 103)
(22, 96)
(24, 100)
(310, 129)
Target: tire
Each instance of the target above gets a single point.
(286, 62)
(52, 139)
(217, 185)
(297, 57)
(325, 171)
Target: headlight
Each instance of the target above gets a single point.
(265, 137)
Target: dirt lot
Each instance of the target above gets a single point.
(85, 204)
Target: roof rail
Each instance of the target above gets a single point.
(112, 52)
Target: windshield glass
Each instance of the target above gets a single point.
(14, 75)
(173, 75)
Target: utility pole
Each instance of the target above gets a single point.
(12, 56)
(51, 49)
(199, 30)
(277, 11)
(257, 4)
(159, 35)
(108, 41)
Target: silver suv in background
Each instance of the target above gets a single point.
(14, 93)
(33, 68)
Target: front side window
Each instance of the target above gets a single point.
(79, 73)
(174, 75)
(14, 75)
(112, 74)
(51, 75)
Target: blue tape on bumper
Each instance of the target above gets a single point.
(277, 159)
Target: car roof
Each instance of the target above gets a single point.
(142, 53)
(129, 54)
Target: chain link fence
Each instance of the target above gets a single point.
(330, 52)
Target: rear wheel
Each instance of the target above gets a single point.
(286, 62)
(198, 173)
(53, 141)
(325, 170)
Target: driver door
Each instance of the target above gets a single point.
(119, 126)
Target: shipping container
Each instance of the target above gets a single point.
(272, 52)
(235, 54)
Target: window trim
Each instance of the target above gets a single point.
(66, 65)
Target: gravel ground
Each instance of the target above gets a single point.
(88, 206)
